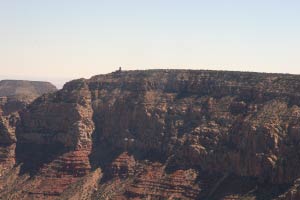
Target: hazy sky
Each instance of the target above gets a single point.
(62, 39)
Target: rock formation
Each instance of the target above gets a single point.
(25, 88)
(14, 96)
(160, 134)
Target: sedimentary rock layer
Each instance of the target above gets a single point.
(162, 134)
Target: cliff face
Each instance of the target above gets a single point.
(14, 96)
(161, 134)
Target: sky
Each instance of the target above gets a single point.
(59, 40)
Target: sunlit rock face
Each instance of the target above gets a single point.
(160, 134)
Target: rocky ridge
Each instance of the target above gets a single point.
(161, 134)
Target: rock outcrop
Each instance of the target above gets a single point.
(162, 134)
(14, 96)
(7, 142)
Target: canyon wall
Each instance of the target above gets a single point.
(160, 134)
(15, 95)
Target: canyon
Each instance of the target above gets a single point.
(15, 95)
(154, 134)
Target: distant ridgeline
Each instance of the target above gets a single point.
(26, 88)
(15, 94)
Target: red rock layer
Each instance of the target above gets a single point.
(154, 183)
(53, 178)
(123, 166)
(139, 180)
